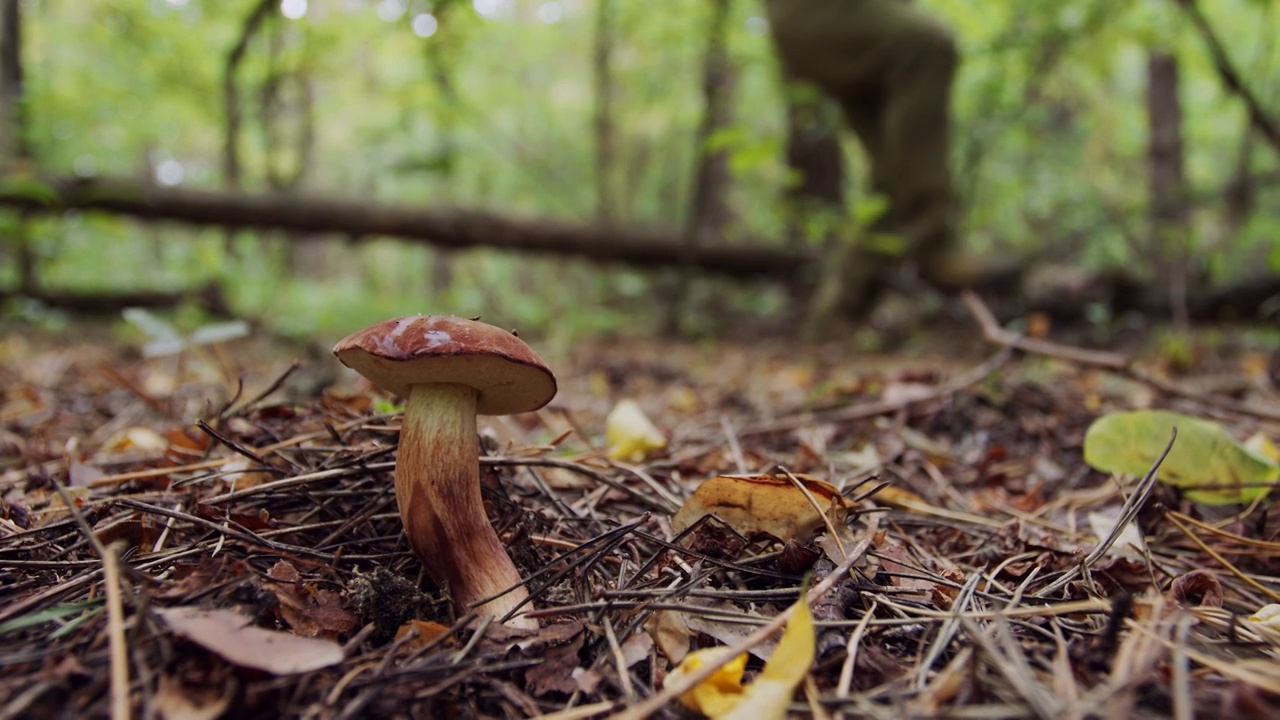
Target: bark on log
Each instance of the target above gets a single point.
(448, 228)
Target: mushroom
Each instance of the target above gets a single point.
(450, 370)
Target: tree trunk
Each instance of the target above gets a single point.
(234, 115)
(15, 147)
(1170, 211)
(606, 152)
(444, 113)
(13, 141)
(708, 211)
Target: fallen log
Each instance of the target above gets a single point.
(310, 217)
(446, 228)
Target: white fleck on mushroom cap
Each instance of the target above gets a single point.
(398, 353)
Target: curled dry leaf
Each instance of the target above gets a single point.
(309, 610)
(1267, 615)
(1198, 588)
(765, 505)
(237, 640)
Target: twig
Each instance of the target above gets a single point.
(235, 446)
(993, 332)
(120, 703)
(1272, 594)
(1127, 513)
(274, 386)
(1258, 116)
(1115, 362)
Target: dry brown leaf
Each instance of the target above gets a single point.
(586, 680)
(732, 633)
(176, 701)
(310, 611)
(555, 672)
(135, 531)
(764, 505)
(670, 631)
(236, 639)
(1198, 588)
(636, 648)
(427, 632)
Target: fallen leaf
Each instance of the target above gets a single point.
(1206, 461)
(722, 696)
(631, 436)
(718, 694)
(586, 680)
(244, 473)
(670, 632)
(81, 475)
(1198, 588)
(135, 531)
(310, 611)
(554, 672)
(636, 648)
(764, 504)
(176, 701)
(135, 439)
(770, 694)
(427, 632)
(1129, 544)
(237, 640)
(1268, 615)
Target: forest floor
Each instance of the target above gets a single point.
(986, 578)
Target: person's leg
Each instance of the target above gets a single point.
(890, 66)
(916, 139)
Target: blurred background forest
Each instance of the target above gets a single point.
(1096, 135)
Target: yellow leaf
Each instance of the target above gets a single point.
(630, 434)
(1268, 615)
(723, 697)
(717, 694)
(139, 439)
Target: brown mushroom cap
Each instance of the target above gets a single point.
(398, 353)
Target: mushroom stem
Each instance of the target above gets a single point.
(438, 492)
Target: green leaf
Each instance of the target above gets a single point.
(1206, 461)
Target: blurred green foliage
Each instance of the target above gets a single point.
(495, 110)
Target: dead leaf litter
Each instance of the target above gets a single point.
(252, 538)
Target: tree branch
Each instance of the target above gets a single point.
(447, 228)
(1258, 115)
